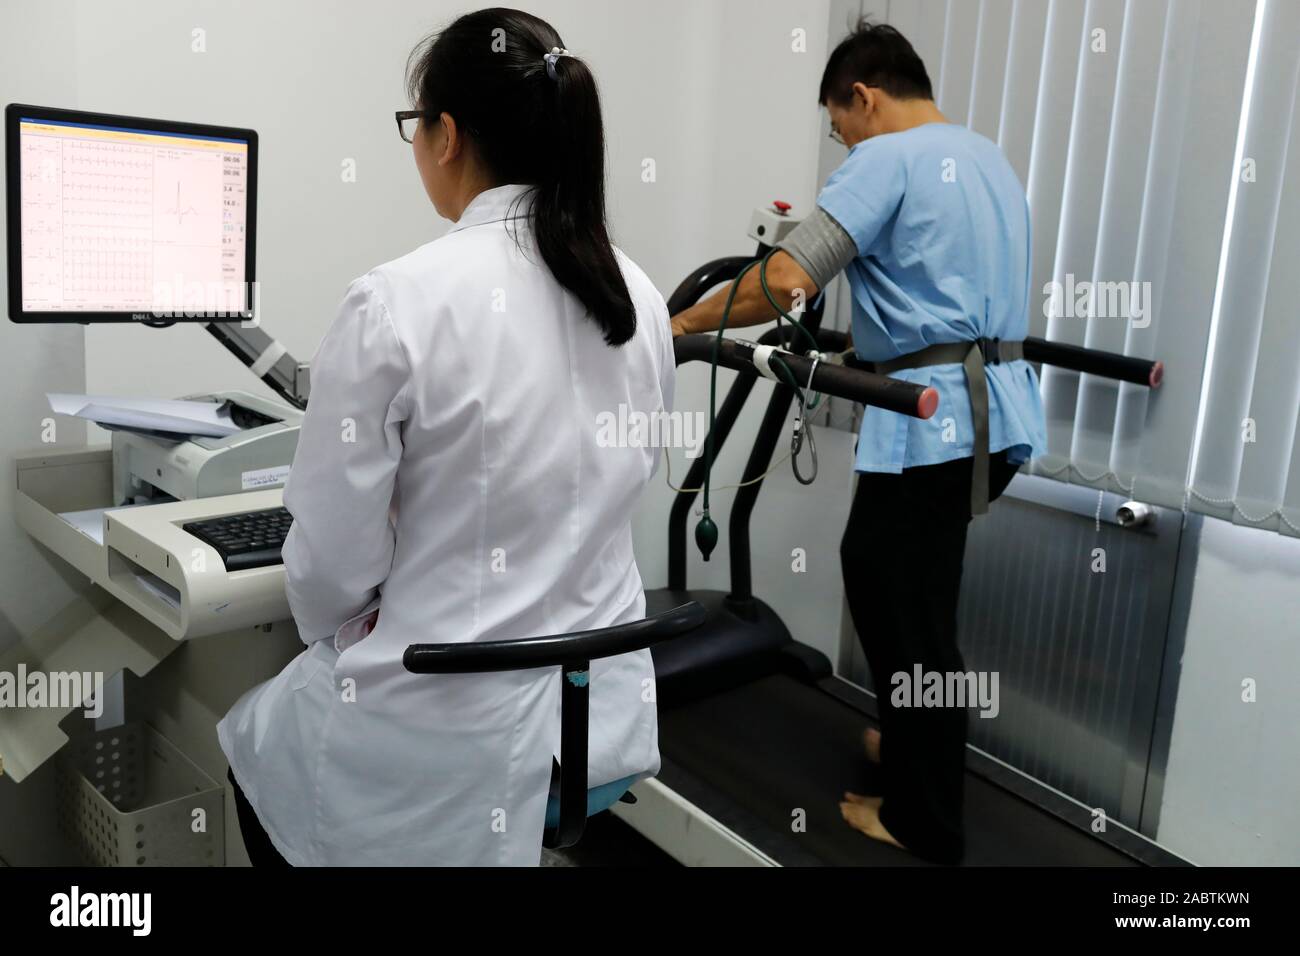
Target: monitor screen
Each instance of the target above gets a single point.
(114, 218)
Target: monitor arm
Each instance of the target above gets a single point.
(266, 358)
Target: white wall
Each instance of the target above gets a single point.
(1232, 785)
(33, 359)
(320, 81)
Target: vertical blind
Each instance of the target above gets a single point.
(1125, 120)
(1248, 458)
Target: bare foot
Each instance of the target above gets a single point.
(871, 741)
(863, 813)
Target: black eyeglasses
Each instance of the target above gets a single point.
(408, 121)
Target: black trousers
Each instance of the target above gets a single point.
(261, 851)
(902, 561)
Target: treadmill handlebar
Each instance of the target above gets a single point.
(1125, 368)
(712, 273)
(857, 385)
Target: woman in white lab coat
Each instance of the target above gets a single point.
(451, 477)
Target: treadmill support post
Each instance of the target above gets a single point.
(741, 596)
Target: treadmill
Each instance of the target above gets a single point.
(759, 738)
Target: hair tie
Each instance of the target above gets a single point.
(550, 58)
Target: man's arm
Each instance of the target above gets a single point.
(815, 252)
(785, 278)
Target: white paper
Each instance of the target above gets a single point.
(160, 589)
(91, 523)
(168, 415)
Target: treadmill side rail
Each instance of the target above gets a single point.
(684, 831)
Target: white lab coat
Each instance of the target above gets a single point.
(450, 473)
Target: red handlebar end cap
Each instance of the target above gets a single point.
(1157, 374)
(927, 404)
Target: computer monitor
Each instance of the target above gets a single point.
(122, 219)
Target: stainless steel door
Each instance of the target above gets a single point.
(1079, 652)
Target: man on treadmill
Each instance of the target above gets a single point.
(930, 225)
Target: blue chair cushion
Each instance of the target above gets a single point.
(598, 799)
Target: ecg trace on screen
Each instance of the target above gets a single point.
(178, 209)
(118, 220)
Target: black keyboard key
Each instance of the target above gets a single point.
(245, 541)
(253, 559)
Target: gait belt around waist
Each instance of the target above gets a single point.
(973, 357)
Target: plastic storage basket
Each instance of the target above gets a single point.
(128, 798)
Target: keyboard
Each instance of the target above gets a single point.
(249, 540)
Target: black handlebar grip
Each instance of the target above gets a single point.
(856, 385)
(1126, 368)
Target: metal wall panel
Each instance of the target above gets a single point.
(1078, 653)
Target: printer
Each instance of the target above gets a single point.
(155, 467)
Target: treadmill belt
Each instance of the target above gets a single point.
(749, 757)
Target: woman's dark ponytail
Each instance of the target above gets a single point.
(537, 121)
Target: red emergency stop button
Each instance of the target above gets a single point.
(781, 206)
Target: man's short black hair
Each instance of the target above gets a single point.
(877, 55)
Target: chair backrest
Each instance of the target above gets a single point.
(573, 653)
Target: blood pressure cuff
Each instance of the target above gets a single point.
(821, 246)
